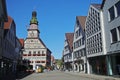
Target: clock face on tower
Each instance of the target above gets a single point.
(32, 34)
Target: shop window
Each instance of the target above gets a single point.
(117, 5)
(113, 35)
(111, 13)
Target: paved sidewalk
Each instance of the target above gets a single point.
(93, 76)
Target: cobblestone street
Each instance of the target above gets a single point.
(54, 75)
(58, 75)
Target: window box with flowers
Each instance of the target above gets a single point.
(38, 55)
(34, 54)
(29, 54)
(24, 54)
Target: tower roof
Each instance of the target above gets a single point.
(34, 19)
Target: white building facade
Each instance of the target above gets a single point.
(34, 49)
(68, 51)
(79, 54)
(96, 61)
(110, 18)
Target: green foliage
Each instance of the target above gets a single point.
(59, 62)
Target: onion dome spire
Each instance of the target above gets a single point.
(34, 19)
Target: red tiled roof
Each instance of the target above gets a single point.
(22, 42)
(69, 38)
(7, 24)
(81, 20)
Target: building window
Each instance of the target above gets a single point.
(113, 35)
(37, 61)
(74, 45)
(38, 52)
(83, 39)
(118, 33)
(42, 61)
(77, 23)
(34, 52)
(31, 40)
(117, 5)
(77, 34)
(29, 52)
(74, 55)
(111, 13)
(43, 54)
(78, 43)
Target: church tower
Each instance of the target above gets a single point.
(34, 49)
(33, 31)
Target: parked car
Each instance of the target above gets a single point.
(39, 68)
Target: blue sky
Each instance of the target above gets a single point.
(56, 17)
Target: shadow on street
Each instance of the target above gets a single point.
(21, 75)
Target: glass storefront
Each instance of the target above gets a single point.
(98, 65)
